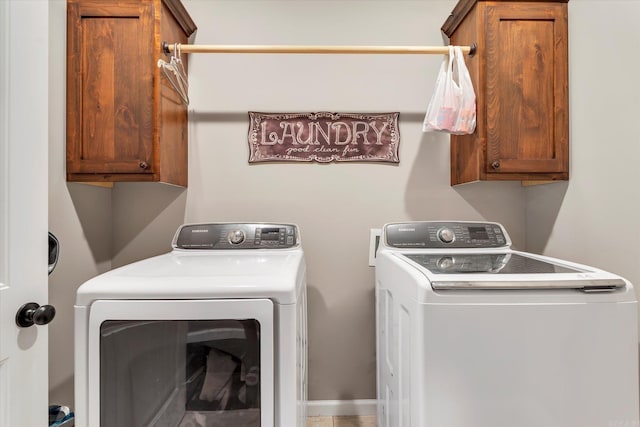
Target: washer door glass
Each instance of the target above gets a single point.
(180, 373)
(177, 363)
(481, 263)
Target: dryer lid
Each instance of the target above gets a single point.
(279, 275)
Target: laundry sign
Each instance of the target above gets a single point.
(323, 137)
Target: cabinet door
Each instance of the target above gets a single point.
(110, 88)
(526, 90)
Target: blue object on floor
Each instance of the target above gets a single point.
(60, 416)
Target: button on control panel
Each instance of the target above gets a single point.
(236, 236)
(440, 234)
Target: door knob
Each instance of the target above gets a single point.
(32, 313)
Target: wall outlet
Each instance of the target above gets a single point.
(374, 243)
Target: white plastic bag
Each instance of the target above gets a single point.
(452, 108)
(466, 122)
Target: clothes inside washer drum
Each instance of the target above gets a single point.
(217, 381)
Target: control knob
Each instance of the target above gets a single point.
(235, 237)
(446, 235)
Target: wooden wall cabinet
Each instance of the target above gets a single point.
(124, 120)
(520, 75)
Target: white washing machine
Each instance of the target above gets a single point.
(211, 334)
(473, 333)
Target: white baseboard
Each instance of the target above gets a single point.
(337, 408)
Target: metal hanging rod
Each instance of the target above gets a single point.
(437, 50)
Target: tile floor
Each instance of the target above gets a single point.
(350, 421)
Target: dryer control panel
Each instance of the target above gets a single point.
(450, 234)
(228, 236)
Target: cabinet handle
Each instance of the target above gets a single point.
(496, 164)
(143, 165)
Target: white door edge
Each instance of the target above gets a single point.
(24, 87)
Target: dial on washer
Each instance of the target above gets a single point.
(446, 235)
(235, 237)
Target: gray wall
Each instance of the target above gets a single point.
(594, 217)
(336, 205)
(79, 215)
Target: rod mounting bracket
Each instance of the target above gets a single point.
(165, 47)
(472, 50)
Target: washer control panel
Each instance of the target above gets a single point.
(440, 234)
(236, 236)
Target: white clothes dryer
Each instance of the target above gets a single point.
(473, 333)
(211, 334)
